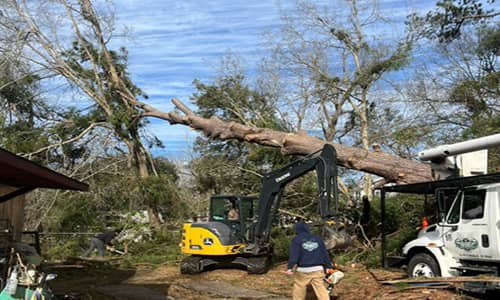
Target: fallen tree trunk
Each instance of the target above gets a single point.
(392, 168)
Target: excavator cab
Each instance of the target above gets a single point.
(236, 212)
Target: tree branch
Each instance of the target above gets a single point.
(71, 140)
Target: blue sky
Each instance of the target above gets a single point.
(171, 43)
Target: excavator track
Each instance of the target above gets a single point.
(191, 265)
(258, 265)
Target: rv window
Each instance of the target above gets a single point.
(473, 204)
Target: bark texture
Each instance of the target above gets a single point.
(392, 168)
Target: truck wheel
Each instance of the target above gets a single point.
(423, 265)
(191, 265)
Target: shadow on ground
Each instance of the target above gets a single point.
(101, 280)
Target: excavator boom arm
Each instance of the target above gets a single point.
(324, 162)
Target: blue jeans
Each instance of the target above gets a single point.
(95, 243)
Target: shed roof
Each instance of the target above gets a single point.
(20, 172)
(431, 186)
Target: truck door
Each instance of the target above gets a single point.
(466, 233)
(490, 242)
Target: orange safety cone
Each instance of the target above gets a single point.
(425, 223)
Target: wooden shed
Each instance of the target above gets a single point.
(19, 176)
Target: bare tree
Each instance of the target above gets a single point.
(335, 64)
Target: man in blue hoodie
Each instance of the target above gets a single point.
(309, 254)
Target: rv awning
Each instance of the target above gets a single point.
(19, 172)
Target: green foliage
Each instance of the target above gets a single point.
(373, 70)
(103, 75)
(164, 248)
(113, 195)
(21, 110)
(446, 23)
(392, 129)
(301, 196)
(167, 168)
(402, 211)
(161, 191)
(217, 174)
(403, 220)
(230, 166)
(281, 239)
(79, 214)
(489, 44)
(396, 242)
(73, 122)
(64, 247)
(475, 92)
(478, 94)
(232, 100)
(93, 67)
(469, 88)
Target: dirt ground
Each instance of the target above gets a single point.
(105, 281)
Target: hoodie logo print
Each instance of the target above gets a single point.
(310, 246)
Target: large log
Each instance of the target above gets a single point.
(392, 168)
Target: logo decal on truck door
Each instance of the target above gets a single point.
(467, 244)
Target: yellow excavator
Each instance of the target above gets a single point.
(245, 241)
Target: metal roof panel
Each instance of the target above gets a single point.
(20, 172)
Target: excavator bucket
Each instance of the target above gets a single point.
(335, 236)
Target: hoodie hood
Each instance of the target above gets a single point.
(301, 227)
